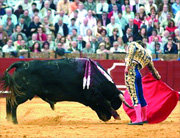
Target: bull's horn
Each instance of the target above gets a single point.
(123, 100)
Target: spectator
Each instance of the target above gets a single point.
(31, 9)
(89, 35)
(114, 12)
(101, 7)
(171, 28)
(104, 19)
(91, 19)
(153, 36)
(2, 10)
(90, 5)
(61, 15)
(9, 26)
(8, 48)
(74, 48)
(61, 28)
(33, 40)
(82, 12)
(126, 4)
(46, 47)
(122, 21)
(165, 37)
(94, 44)
(113, 25)
(97, 29)
(65, 43)
(155, 46)
(133, 26)
(41, 36)
(102, 36)
(53, 5)
(128, 14)
(50, 16)
(74, 35)
(34, 25)
(177, 38)
(176, 6)
(84, 27)
(142, 13)
(24, 3)
(165, 22)
(80, 43)
(114, 37)
(58, 38)
(121, 44)
(163, 14)
(115, 48)
(51, 42)
(114, 2)
(143, 33)
(137, 6)
(73, 6)
(35, 13)
(137, 21)
(40, 4)
(48, 26)
(19, 11)
(24, 27)
(22, 47)
(177, 19)
(3, 37)
(130, 39)
(36, 48)
(102, 48)
(9, 15)
(18, 40)
(43, 12)
(88, 49)
(72, 26)
(63, 4)
(108, 43)
(127, 34)
(170, 47)
(27, 19)
(161, 6)
(149, 5)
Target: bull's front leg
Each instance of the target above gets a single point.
(14, 117)
(115, 115)
(8, 110)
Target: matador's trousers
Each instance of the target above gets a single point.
(134, 85)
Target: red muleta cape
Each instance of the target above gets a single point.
(160, 98)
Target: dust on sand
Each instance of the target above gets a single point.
(72, 120)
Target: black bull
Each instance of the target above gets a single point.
(61, 80)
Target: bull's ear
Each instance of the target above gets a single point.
(116, 103)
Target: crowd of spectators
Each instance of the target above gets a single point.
(89, 26)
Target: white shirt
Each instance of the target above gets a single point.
(110, 28)
(7, 49)
(103, 6)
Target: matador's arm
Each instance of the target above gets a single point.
(131, 53)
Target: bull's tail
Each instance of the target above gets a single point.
(10, 84)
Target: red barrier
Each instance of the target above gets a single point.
(169, 70)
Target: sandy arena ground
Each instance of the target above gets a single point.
(71, 120)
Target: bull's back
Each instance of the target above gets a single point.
(56, 79)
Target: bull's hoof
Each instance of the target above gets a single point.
(117, 117)
(15, 121)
